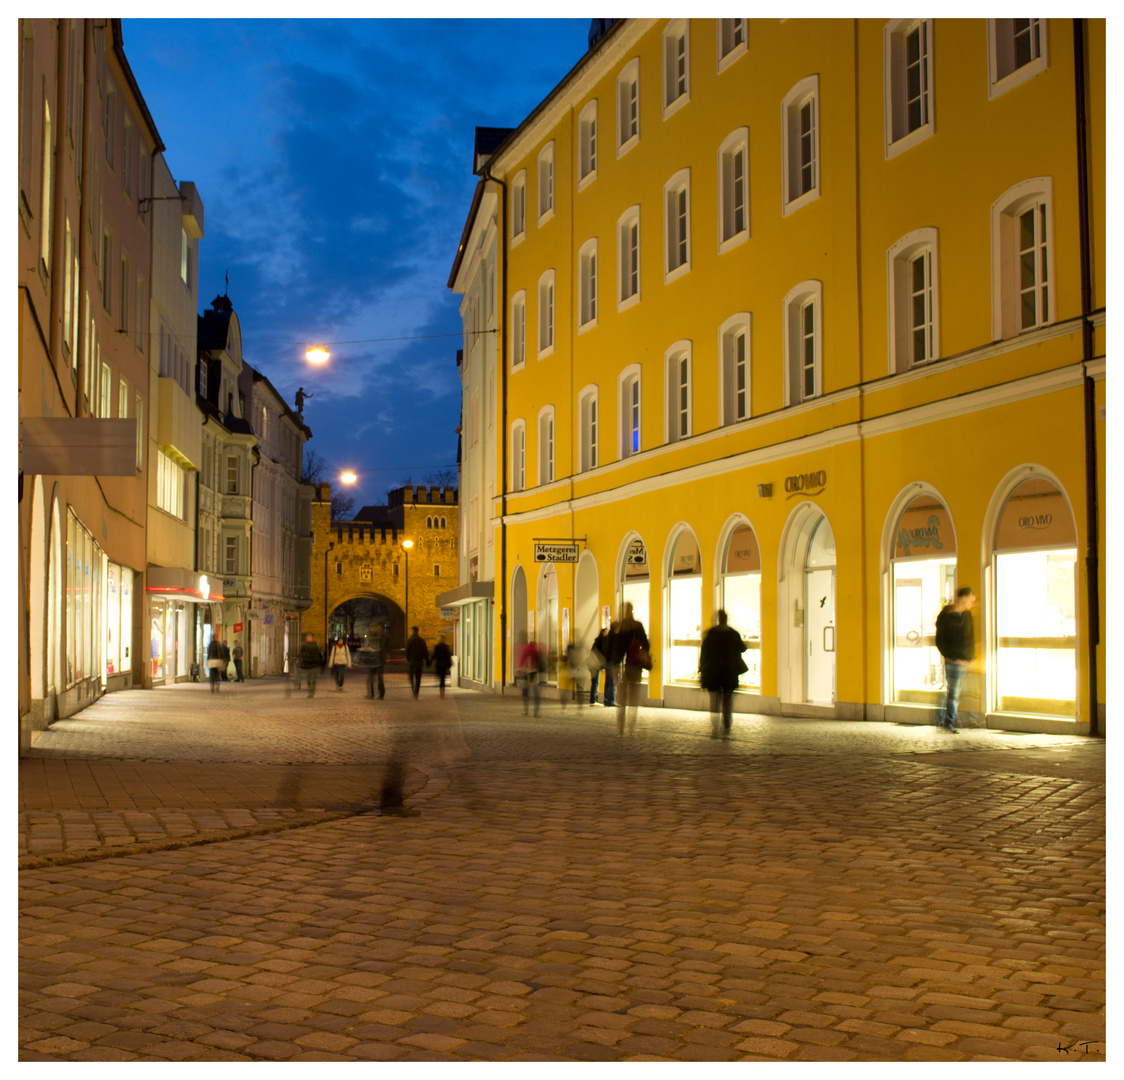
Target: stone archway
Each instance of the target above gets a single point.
(357, 614)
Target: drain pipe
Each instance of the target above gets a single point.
(1092, 536)
(501, 240)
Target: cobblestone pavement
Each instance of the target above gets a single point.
(206, 877)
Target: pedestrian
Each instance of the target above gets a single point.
(612, 671)
(630, 652)
(380, 643)
(595, 661)
(417, 656)
(442, 661)
(339, 660)
(576, 661)
(214, 663)
(720, 664)
(310, 662)
(956, 642)
(528, 667)
(225, 660)
(237, 654)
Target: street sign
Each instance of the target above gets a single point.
(564, 553)
(448, 614)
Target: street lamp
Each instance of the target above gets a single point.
(317, 354)
(348, 477)
(331, 544)
(406, 545)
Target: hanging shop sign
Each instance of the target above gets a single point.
(556, 552)
(238, 628)
(252, 614)
(810, 483)
(267, 620)
(637, 555)
(448, 614)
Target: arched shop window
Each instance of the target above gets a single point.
(923, 569)
(546, 636)
(741, 598)
(684, 609)
(1035, 602)
(635, 584)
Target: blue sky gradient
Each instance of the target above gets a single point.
(334, 160)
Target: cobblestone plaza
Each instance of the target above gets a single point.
(207, 877)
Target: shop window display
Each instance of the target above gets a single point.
(923, 580)
(741, 599)
(635, 586)
(685, 610)
(1035, 600)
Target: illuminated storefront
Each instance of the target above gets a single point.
(684, 590)
(741, 599)
(177, 632)
(634, 586)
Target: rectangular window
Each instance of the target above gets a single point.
(733, 189)
(232, 475)
(921, 307)
(546, 446)
(105, 276)
(45, 193)
(122, 399)
(807, 177)
(105, 401)
(628, 106)
(587, 144)
(808, 348)
(68, 286)
(110, 121)
(675, 58)
(546, 182)
(142, 322)
(546, 313)
(128, 153)
(677, 200)
(628, 243)
(518, 457)
(678, 397)
(1034, 286)
(731, 39)
(588, 420)
(634, 417)
(916, 78)
(518, 207)
(231, 563)
(587, 284)
(125, 293)
(800, 133)
(519, 330)
(183, 255)
(139, 414)
(170, 486)
(908, 83)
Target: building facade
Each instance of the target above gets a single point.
(764, 342)
(87, 147)
(400, 557)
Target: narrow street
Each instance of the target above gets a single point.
(208, 877)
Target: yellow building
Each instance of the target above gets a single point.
(803, 319)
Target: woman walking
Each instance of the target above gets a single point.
(214, 664)
(631, 650)
(339, 660)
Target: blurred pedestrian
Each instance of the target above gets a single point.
(579, 673)
(442, 661)
(417, 656)
(956, 642)
(631, 652)
(225, 660)
(720, 664)
(237, 654)
(310, 662)
(214, 662)
(339, 660)
(595, 661)
(527, 668)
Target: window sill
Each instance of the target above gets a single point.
(999, 87)
(518, 239)
(678, 272)
(799, 203)
(906, 142)
(725, 61)
(624, 147)
(591, 324)
(544, 353)
(585, 181)
(673, 107)
(734, 241)
(632, 301)
(545, 217)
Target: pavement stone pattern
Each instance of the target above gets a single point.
(808, 891)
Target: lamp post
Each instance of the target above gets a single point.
(406, 545)
(331, 544)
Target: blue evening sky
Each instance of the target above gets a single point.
(334, 161)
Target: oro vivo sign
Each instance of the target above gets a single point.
(810, 483)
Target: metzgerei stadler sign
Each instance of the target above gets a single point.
(556, 553)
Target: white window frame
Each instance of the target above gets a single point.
(588, 424)
(678, 379)
(1005, 276)
(519, 330)
(676, 54)
(518, 456)
(677, 225)
(519, 207)
(726, 30)
(899, 298)
(895, 83)
(545, 186)
(792, 161)
(737, 325)
(626, 421)
(547, 315)
(628, 102)
(792, 308)
(1001, 75)
(587, 286)
(587, 145)
(546, 445)
(729, 236)
(626, 270)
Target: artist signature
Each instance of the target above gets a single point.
(1078, 1047)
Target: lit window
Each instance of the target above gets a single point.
(733, 189)
(1016, 51)
(677, 202)
(914, 331)
(628, 107)
(733, 339)
(803, 342)
(676, 66)
(587, 285)
(587, 144)
(628, 248)
(801, 150)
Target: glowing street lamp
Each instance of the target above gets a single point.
(406, 545)
(348, 477)
(317, 354)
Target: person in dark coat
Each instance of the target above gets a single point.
(601, 654)
(720, 664)
(372, 656)
(310, 661)
(237, 655)
(630, 651)
(225, 659)
(956, 642)
(442, 661)
(214, 663)
(417, 656)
